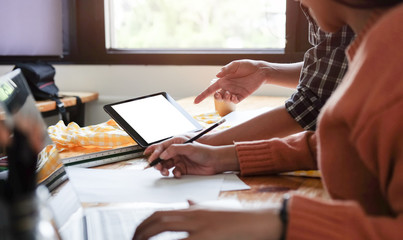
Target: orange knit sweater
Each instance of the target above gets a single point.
(358, 146)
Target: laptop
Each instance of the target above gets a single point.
(71, 219)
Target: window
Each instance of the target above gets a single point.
(207, 25)
(38, 33)
(37, 30)
(179, 32)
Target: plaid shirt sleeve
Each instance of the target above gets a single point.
(324, 67)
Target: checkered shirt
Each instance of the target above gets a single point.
(324, 67)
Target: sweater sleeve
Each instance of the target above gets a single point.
(338, 220)
(296, 152)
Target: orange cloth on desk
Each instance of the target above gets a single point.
(105, 135)
(358, 146)
(48, 162)
(72, 140)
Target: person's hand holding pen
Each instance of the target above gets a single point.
(192, 158)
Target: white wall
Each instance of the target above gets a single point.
(120, 82)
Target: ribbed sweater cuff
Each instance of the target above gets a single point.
(314, 219)
(255, 158)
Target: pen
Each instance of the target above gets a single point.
(158, 160)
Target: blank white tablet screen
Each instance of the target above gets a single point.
(154, 118)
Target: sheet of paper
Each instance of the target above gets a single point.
(121, 222)
(95, 185)
(68, 213)
(237, 117)
(67, 198)
(232, 182)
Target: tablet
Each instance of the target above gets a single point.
(152, 118)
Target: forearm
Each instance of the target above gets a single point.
(277, 155)
(317, 219)
(282, 74)
(274, 123)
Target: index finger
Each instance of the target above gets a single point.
(210, 90)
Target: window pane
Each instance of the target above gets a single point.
(31, 28)
(195, 24)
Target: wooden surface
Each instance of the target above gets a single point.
(266, 191)
(49, 105)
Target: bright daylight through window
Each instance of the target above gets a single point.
(195, 24)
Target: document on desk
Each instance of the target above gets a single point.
(120, 222)
(96, 185)
(237, 117)
(105, 223)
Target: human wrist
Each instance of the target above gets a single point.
(267, 71)
(228, 159)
